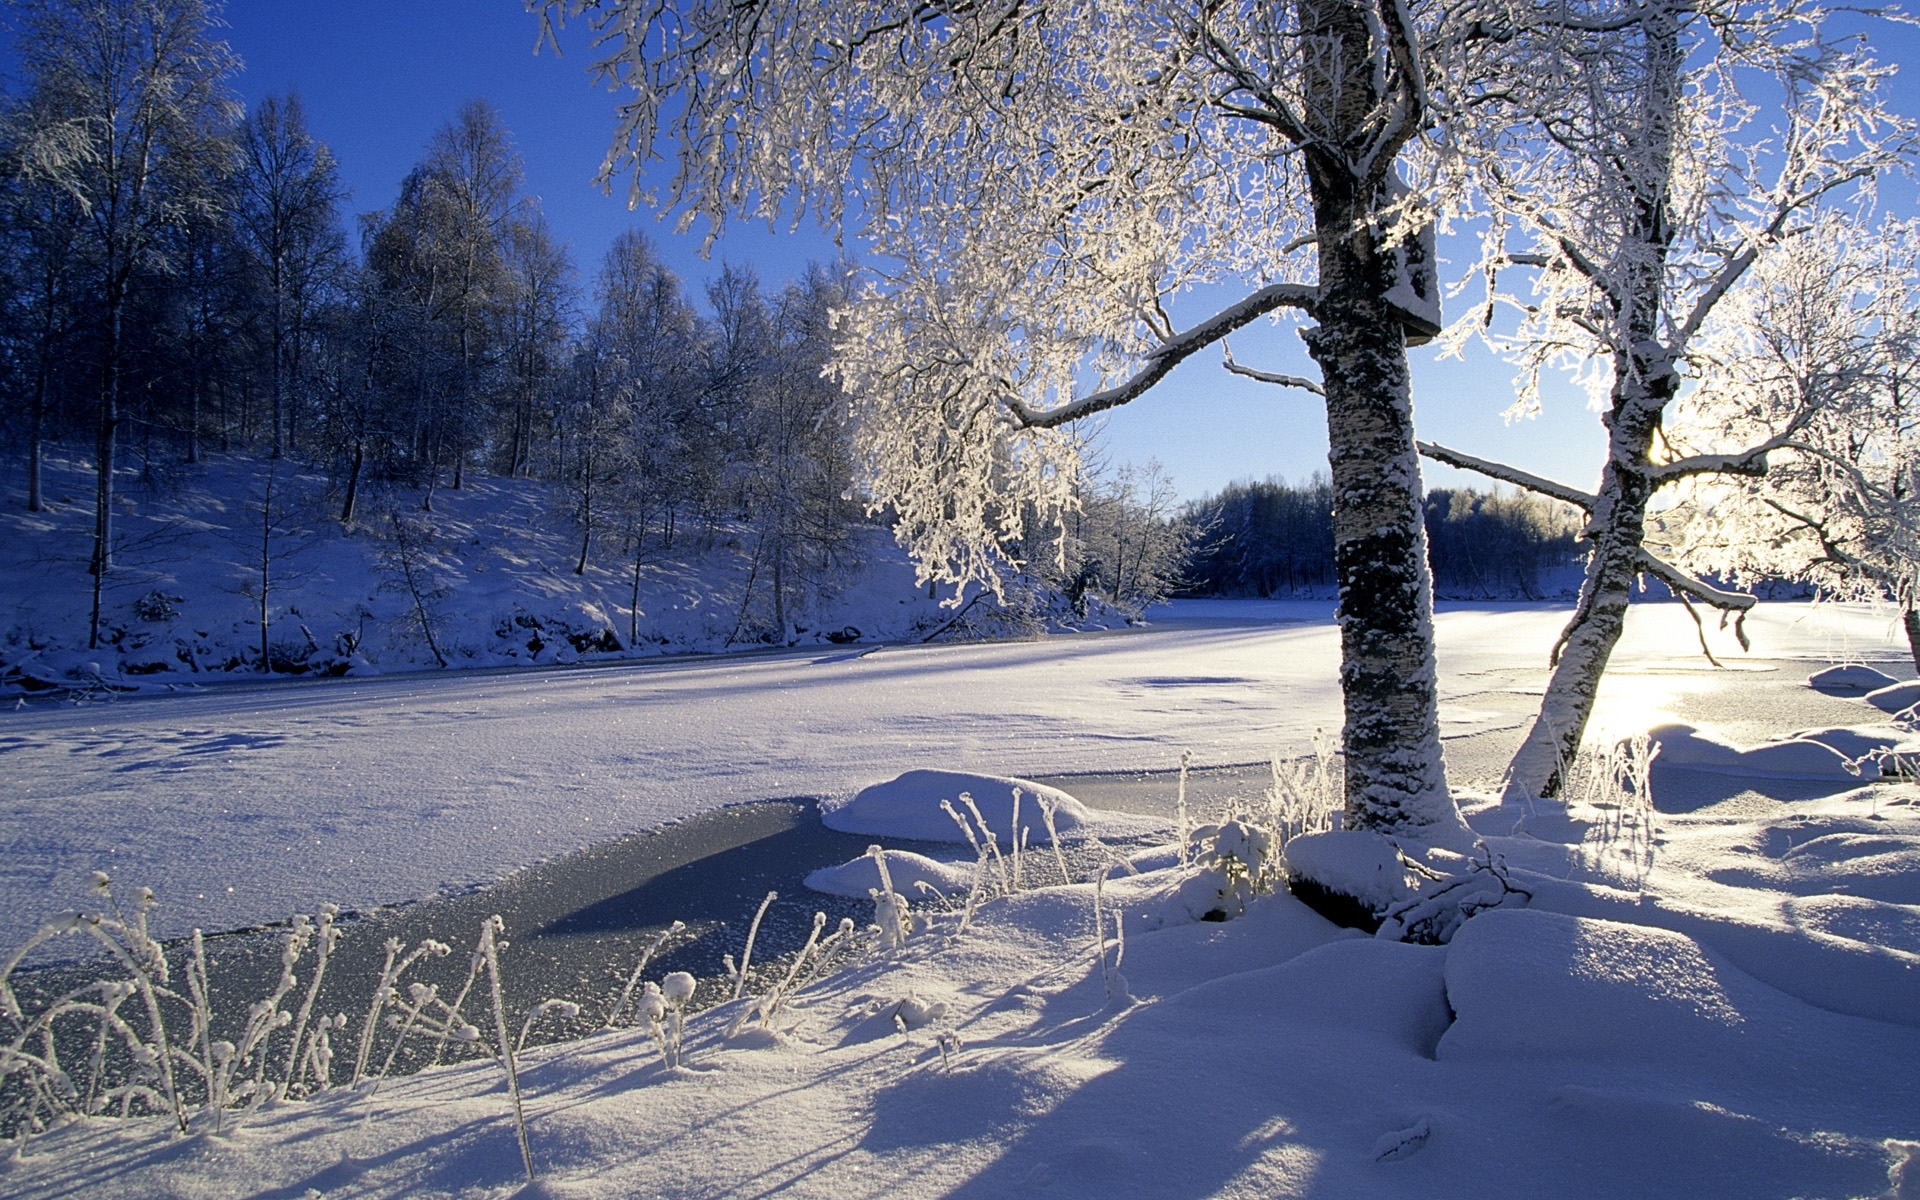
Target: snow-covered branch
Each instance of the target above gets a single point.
(1275, 378)
(1699, 589)
(1506, 474)
(1165, 358)
(1752, 461)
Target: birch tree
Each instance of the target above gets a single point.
(136, 90)
(1038, 181)
(1830, 327)
(287, 216)
(1649, 181)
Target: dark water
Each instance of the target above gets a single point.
(574, 928)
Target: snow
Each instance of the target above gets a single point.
(909, 806)
(1742, 1020)
(1684, 746)
(1895, 697)
(1851, 680)
(914, 876)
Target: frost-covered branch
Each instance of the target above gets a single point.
(1506, 474)
(1168, 356)
(1699, 589)
(1751, 462)
(1259, 376)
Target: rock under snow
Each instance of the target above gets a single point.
(907, 869)
(909, 807)
(1353, 863)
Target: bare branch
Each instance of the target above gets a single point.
(1505, 474)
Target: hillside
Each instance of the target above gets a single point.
(494, 583)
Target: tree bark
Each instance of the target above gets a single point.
(106, 435)
(1645, 379)
(1616, 531)
(1395, 778)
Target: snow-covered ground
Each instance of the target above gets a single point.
(496, 559)
(1745, 1024)
(241, 805)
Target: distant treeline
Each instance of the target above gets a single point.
(1275, 539)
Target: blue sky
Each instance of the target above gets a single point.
(379, 77)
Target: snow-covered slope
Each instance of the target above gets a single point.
(182, 606)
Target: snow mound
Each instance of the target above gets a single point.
(1531, 984)
(1352, 863)
(907, 869)
(909, 807)
(1375, 989)
(1855, 742)
(1685, 746)
(1895, 698)
(1168, 896)
(1853, 680)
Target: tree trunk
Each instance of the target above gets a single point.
(1645, 379)
(36, 438)
(266, 565)
(1911, 620)
(1395, 779)
(1616, 530)
(353, 481)
(106, 435)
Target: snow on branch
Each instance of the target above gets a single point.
(1278, 380)
(1506, 474)
(1168, 356)
(1752, 462)
(1690, 589)
(1706, 593)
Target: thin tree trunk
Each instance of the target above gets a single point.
(107, 432)
(1616, 531)
(353, 481)
(1911, 620)
(266, 564)
(1645, 379)
(36, 438)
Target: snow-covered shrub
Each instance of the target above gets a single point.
(663, 1006)
(1306, 795)
(1240, 854)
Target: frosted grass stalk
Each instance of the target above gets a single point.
(1184, 826)
(325, 937)
(389, 979)
(1016, 840)
(566, 1009)
(1047, 808)
(490, 952)
(993, 843)
(626, 993)
(746, 955)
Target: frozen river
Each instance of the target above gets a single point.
(242, 804)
